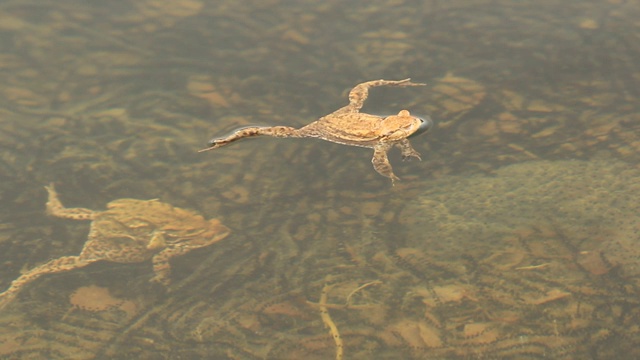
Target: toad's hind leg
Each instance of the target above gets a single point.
(253, 131)
(64, 263)
(381, 163)
(360, 92)
(55, 208)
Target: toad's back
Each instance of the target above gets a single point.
(349, 128)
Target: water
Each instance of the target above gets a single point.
(514, 237)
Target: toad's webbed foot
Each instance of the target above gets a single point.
(252, 131)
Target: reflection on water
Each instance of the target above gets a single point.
(514, 237)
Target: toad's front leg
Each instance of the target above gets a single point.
(381, 163)
(408, 152)
(161, 265)
(253, 131)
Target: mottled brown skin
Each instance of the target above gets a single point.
(349, 126)
(129, 231)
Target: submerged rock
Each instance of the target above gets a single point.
(593, 206)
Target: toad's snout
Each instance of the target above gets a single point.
(425, 124)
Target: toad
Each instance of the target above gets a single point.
(349, 126)
(129, 231)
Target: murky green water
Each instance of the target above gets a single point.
(515, 237)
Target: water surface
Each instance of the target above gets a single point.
(514, 237)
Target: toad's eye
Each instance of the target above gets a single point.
(425, 124)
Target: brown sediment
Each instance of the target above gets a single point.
(94, 298)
